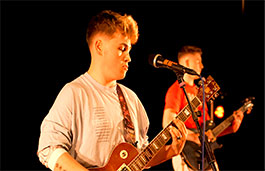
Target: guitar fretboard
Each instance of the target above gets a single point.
(221, 127)
(161, 139)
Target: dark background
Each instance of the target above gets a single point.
(43, 47)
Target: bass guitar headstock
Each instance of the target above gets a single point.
(248, 105)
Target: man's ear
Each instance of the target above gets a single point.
(99, 46)
(187, 62)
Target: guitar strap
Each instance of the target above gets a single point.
(129, 133)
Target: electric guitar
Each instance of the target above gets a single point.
(192, 151)
(125, 157)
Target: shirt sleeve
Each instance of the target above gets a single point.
(176, 100)
(174, 97)
(56, 126)
(49, 156)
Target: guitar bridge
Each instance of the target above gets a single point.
(124, 167)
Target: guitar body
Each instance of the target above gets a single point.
(120, 157)
(192, 153)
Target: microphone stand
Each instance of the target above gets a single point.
(210, 155)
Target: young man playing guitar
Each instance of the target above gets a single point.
(190, 56)
(93, 113)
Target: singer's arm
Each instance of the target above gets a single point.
(67, 162)
(57, 158)
(169, 115)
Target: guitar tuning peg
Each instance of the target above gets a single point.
(216, 95)
(248, 99)
(252, 98)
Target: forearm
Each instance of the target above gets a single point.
(67, 162)
(233, 128)
(57, 158)
(228, 130)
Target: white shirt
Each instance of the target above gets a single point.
(87, 120)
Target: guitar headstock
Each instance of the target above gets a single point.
(211, 89)
(248, 105)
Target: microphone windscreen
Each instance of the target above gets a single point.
(151, 59)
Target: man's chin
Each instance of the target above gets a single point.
(122, 77)
(196, 77)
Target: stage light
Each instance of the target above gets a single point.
(219, 112)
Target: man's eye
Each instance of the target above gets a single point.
(122, 49)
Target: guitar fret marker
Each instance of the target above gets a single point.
(186, 112)
(156, 147)
(164, 136)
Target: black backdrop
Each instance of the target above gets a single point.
(43, 47)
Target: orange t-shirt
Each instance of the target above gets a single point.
(176, 99)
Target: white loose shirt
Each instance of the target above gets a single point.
(87, 120)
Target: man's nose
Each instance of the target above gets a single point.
(202, 66)
(128, 58)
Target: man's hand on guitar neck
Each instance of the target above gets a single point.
(238, 117)
(178, 133)
(179, 136)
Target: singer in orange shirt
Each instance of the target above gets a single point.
(175, 100)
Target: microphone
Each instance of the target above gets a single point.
(159, 62)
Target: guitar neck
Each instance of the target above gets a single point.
(226, 123)
(150, 151)
(221, 127)
(161, 139)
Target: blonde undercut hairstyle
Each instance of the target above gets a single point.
(188, 50)
(109, 22)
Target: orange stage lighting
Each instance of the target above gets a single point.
(219, 112)
(243, 6)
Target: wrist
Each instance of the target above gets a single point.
(55, 156)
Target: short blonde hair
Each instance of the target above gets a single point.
(188, 50)
(109, 22)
